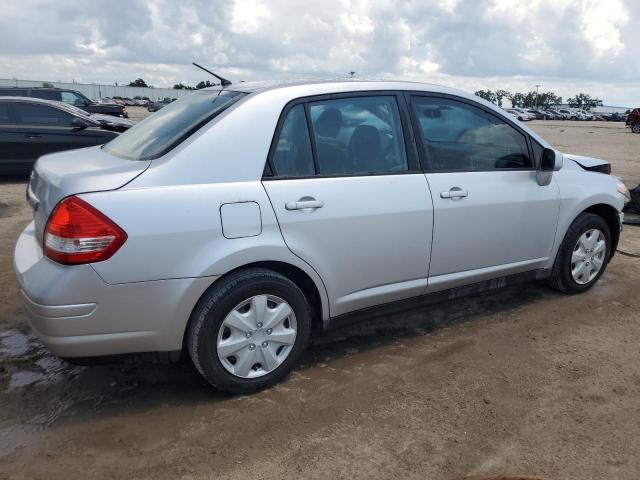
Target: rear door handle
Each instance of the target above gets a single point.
(304, 203)
(454, 192)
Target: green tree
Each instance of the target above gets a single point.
(517, 100)
(182, 86)
(488, 95)
(204, 85)
(583, 100)
(138, 82)
(500, 95)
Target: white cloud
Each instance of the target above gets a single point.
(569, 45)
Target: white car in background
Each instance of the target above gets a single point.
(521, 114)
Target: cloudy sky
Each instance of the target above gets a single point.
(564, 45)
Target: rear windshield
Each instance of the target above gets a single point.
(165, 129)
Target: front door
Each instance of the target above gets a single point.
(349, 200)
(491, 218)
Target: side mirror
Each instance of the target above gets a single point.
(550, 161)
(79, 124)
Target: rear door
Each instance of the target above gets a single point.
(46, 129)
(491, 218)
(350, 199)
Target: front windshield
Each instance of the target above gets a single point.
(165, 129)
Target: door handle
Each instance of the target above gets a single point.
(304, 203)
(454, 192)
(32, 136)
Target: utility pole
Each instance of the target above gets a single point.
(352, 74)
(537, 104)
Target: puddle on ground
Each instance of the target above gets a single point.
(23, 379)
(14, 343)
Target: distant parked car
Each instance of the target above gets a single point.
(571, 115)
(72, 97)
(551, 115)
(32, 127)
(538, 114)
(155, 106)
(615, 117)
(633, 120)
(520, 114)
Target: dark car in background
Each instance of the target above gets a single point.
(633, 120)
(539, 114)
(155, 106)
(31, 127)
(72, 97)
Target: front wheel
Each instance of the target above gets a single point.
(635, 128)
(583, 255)
(248, 331)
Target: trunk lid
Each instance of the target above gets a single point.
(59, 175)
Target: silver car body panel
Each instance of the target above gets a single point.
(376, 229)
(202, 210)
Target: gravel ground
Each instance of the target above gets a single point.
(521, 382)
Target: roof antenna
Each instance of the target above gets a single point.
(223, 81)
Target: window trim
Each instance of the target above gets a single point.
(413, 165)
(424, 157)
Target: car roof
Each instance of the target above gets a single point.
(336, 85)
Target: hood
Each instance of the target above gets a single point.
(123, 122)
(590, 163)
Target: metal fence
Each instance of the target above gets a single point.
(98, 91)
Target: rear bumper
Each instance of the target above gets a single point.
(77, 314)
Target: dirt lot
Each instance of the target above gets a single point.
(520, 382)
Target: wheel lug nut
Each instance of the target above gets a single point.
(269, 331)
(259, 325)
(252, 346)
(248, 334)
(264, 344)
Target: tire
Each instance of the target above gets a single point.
(635, 128)
(208, 326)
(562, 277)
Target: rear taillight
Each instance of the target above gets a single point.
(78, 233)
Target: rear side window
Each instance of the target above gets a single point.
(359, 135)
(461, 137)
(167, 128)
(14, 92)
(293, 156)
(46, 94)
(33, 114)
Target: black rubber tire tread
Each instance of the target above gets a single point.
(561, 278)
(211, 310)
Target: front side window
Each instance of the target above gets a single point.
(293, 156)
(33, 114)
(359, 135)
(72, 99)
(166, 128)
(461, 137)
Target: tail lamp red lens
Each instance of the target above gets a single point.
(79, 233)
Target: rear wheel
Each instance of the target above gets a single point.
(583, 255)
(249, 330)
(635, 128)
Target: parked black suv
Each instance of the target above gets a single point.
(72, 97)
